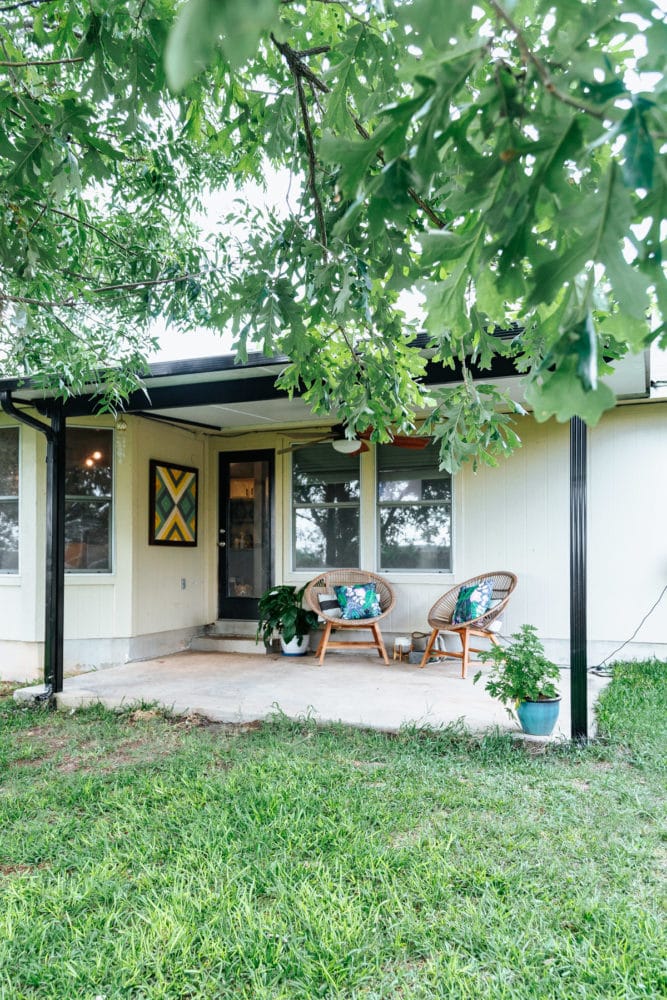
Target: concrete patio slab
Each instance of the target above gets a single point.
(355, 690)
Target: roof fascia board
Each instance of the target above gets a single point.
(248, 390)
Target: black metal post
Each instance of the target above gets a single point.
(55, 551)
(578, 629)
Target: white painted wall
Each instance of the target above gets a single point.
(512, 517)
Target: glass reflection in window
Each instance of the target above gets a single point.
(88, 500)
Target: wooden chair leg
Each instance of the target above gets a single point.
(377, 634)
(322, 648)
(429, 646)
(465, 642)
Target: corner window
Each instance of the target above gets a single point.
(414, 510)
(9, 500)
(325, 508)
(88, 500)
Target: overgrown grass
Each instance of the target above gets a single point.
(144, 857)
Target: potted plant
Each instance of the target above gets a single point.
(281, 610)
(523, 680)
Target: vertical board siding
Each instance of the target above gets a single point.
(627, 556)
(514, 517)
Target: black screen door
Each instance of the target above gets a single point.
(245, 532)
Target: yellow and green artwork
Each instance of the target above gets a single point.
(173, 504)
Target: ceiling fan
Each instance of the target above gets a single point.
(353, 446)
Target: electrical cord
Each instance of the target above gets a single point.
(605, 671)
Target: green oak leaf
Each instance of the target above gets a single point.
(202, 25)
(639, 159)
(560, 394)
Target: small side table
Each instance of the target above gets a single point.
(402, 650)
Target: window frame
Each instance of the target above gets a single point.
(14, 498)
(451, 504)
(295, 505)
(78, 572)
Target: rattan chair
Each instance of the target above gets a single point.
(440, 617)
(324, 584)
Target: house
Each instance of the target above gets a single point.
(178, 513)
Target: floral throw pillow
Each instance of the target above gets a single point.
(358, 601)
(472, 601)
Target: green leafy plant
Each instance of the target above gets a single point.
(521, 671)
(281, 610)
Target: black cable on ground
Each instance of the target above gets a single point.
(605, 671)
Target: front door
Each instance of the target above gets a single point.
(245, 533)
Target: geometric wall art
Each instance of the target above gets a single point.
(172, 508)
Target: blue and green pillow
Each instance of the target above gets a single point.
(358, 601)
(472, 601)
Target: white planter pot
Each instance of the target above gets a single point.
(297, 647)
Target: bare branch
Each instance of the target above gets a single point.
(80, 222)
(300, 70)
(25, 3)
(43, 62)
(74, 303)
(542, 71)
(417, 198)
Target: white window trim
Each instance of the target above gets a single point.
(368, 526)
(415, 575)
(10, 576)
(88, 576)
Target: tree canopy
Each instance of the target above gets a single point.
(502, 159)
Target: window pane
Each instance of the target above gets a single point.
(9, 536)
(322, 475)
(9, 508)
(87, 535)
(88, 462)
(88, 505)
(9, 462)
(405, 474)
(326, 537)
(415, 509)
(415, 537)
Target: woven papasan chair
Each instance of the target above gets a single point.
(324, 585)
(441, 614)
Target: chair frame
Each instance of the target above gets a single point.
(440, 618)
(324, 584)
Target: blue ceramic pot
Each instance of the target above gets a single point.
(538, 718)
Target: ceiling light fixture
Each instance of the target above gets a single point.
(347, 446)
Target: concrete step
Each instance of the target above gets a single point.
(213, 642)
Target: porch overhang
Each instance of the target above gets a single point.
(222, 394)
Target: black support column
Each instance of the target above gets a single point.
(578, 629)
(55, 434)
(55, 552)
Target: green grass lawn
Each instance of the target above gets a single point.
(145, 857)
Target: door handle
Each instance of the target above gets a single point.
(221, 545)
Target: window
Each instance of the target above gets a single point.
(88, 496)
(414, 510)
(9, 500)
(325, 508)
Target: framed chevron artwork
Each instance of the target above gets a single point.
(172, 506)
